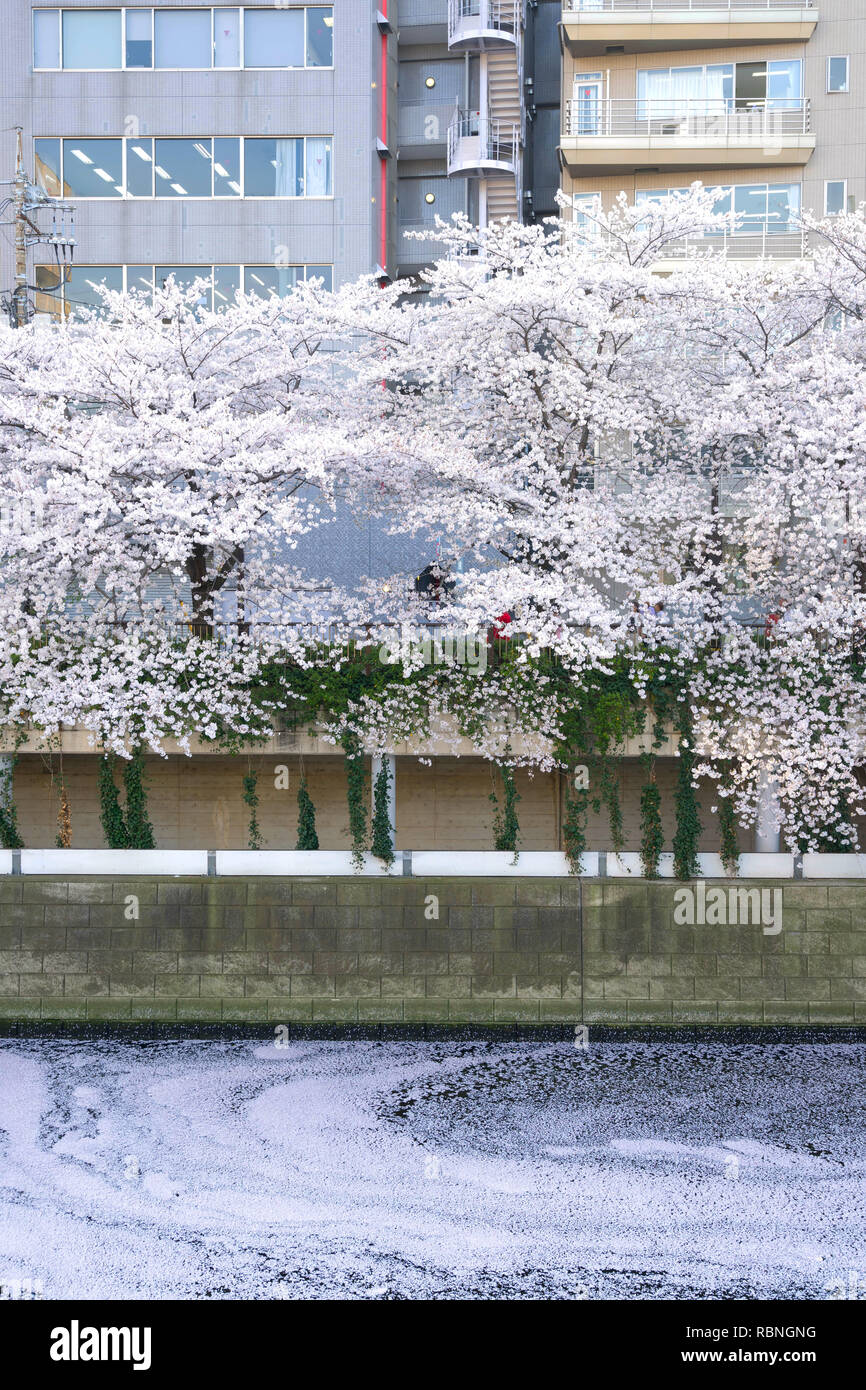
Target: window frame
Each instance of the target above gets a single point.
(844, 208)
(839, 91)
(122, 9)
(154, 197)
(124, 268)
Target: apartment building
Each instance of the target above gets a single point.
(765, 99)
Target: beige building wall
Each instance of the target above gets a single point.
(196, 803)
(838, 120)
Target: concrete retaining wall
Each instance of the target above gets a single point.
(320, 950)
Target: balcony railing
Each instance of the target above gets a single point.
(475, 141)
(743, 244)
(690, 118)
(631, 6)
(474, 19)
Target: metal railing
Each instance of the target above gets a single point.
(474, 139)
(690, 118)
(630, 6)
(744, 244)
(467, 17)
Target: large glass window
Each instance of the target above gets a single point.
(93, 168)
(273, 168)
(182, 169)
(91, 39)
(182, 38)
(274, 38)
(280, 36)
(46, 38)
(63, 293)
(774, 207)
(172, 167)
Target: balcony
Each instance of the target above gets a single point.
(615, 136)
(476, 26)
(647, 26)
(762, 242)
(481, 147)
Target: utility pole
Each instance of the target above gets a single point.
(20, 300)
(27, 198)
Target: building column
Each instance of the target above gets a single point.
(767, 827)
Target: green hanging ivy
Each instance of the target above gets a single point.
(139, 828)
(730, 849)
(574, 823)
(307, 837)
(356, 781)
(506, 826)
(10, 836)
(251, 799)
(651, 835)
(686, 805)
(111, 814)
(381, 843)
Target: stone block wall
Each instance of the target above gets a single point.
(461, 951)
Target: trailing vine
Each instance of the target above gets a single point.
(355, 794)
(307, 837)
(506, 826)
(381, 842)
(10, 835)
(139, 828)
(251, 799)
(730, 850)
(688, 828)
(574, 824)
(651, 835)
(111, 815)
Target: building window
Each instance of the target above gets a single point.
(297, 168)
(190, 38)
(91, 39)
(674, 93)
(766, 208)
(139, 38)
(174, 167)
(62, 294)
(835, 197)
(837, 74)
